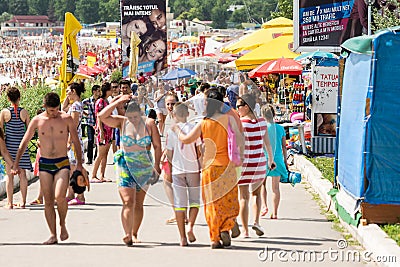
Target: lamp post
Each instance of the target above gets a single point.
(370, 3)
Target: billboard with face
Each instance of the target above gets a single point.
(147, 18)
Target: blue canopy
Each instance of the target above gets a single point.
(316, 54)
(178, 74)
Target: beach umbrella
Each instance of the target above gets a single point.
(315, 54)
(280, 66)
(178, 73)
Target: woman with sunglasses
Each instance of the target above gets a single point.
(254, 164)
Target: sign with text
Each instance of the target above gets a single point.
(326, 24)
(147, 18)
(325, 89)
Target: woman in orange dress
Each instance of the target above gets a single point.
(219, 178)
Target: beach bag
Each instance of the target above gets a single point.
(233, 149)
(292, 178)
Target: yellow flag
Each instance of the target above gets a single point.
(70, 61)
(133, 57)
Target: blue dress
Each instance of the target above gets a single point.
(276, 132)
(14, 131)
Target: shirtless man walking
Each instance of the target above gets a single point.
(53, 128)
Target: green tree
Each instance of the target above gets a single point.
(38, 7)
(386, 17)
(109, 10)
(285, 9)
(219, 16)
(5, 16)
(87, 11)
(19, 7)
(3, 6)
(63, 6)
(51, 12)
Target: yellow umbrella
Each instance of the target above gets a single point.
(276, 48)
(255, 39)
(277, 23)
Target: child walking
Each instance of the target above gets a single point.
(185, 174)
(277, 138)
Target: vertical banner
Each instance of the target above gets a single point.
(91, 59)
(325, 89)
(326, 24)
(147, 18)
(70, 60)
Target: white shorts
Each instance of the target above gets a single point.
(186, 188)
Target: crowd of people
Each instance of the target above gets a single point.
(132, 120)
(28, 62)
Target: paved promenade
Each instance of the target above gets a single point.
(96, 232)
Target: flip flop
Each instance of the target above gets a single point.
(36, 202)
(264, 212)
(19, 206)
(75, 201)
(96, 180)
(105, 180)
(171, 221)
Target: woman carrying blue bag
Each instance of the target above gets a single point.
(277, 137)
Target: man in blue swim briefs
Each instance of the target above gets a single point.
(53, 128)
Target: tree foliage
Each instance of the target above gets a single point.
(93, 11)
(387, 16)
(285, 9)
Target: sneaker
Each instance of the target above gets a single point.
(259, 230)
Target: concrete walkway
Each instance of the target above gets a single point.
(96, 232)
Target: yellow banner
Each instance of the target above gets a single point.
(133, 57)
(70, 61)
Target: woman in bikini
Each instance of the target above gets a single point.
(134, 161)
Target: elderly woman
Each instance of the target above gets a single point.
(219, 178)
(134, 161)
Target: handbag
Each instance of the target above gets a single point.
(233, 149)
(292, 178)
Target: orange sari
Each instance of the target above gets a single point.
(219, 179)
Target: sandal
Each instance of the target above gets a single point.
(19, 206)
(36, 202)
(76, 201)
(105, 180)
(264, 212)
(171, 221)
(96, 180)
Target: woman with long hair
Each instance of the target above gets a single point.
(134, 161)
(153, 48)
(104, 136)
(219, 179)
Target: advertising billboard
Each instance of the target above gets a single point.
(325, 24)
(147, 18)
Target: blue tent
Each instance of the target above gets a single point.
(369, 136)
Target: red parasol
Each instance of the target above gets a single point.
(281, 66)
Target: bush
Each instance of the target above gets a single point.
(31, 98)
